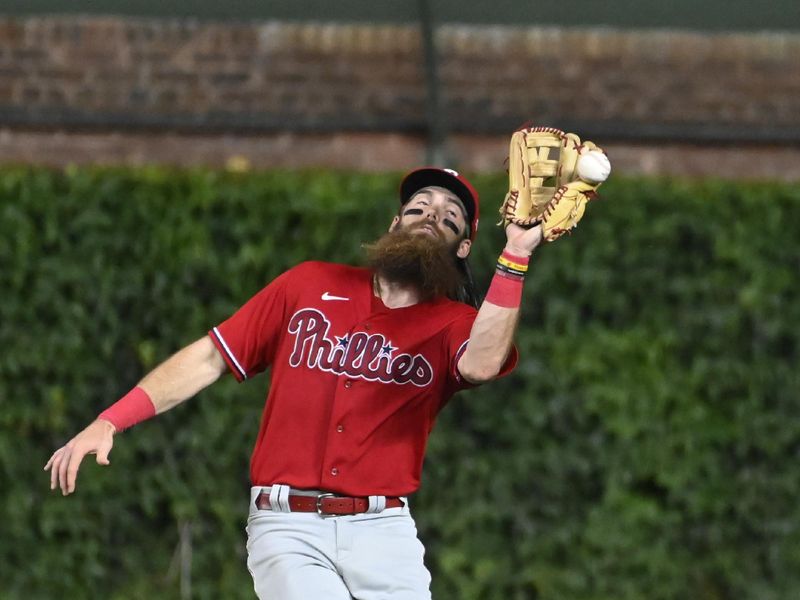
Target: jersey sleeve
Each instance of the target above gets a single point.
(457, 342)
(248, 339)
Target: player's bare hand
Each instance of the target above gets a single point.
(522, 241)
(97, 438)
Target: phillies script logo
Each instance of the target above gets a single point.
(361, 355)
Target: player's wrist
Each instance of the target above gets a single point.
(516, 260)
(517, 250)
(134, 407)
(505, 289)
(107, 425)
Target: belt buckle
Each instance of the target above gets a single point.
(320, 498)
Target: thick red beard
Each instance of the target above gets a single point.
(418, 260)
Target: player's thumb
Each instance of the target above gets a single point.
(102, 452)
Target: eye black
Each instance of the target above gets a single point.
(451, 225)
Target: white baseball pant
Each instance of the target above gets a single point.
(304, 556)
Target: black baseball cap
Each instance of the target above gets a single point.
(448, 179)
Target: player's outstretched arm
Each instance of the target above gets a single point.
(493, 330)
(177, 379)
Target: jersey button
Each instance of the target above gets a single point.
(334, 471)
(340, 428)
(348, 384)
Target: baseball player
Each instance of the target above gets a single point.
(362, 360)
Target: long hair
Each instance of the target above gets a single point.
(467, 292)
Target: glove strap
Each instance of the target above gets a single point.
(134, 407)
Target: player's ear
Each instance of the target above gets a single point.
(464, 246)
(394, 223)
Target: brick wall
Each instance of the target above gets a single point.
(133, 90)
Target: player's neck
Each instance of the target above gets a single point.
(394, 295)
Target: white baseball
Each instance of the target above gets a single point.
(593, 167)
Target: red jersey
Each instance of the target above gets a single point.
(355, 387)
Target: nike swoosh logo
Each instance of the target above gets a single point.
(327, 296)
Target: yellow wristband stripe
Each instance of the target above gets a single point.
(512, 265)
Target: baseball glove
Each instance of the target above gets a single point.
(552, 175)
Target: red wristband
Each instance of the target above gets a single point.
(523, 260)
(134, 407)
(505, 291)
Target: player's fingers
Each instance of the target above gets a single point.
(72, 469)
(55, 463)
(63, 463)
(52, 458)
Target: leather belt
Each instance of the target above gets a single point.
(327, 504)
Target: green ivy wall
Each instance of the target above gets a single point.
(645, 448)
